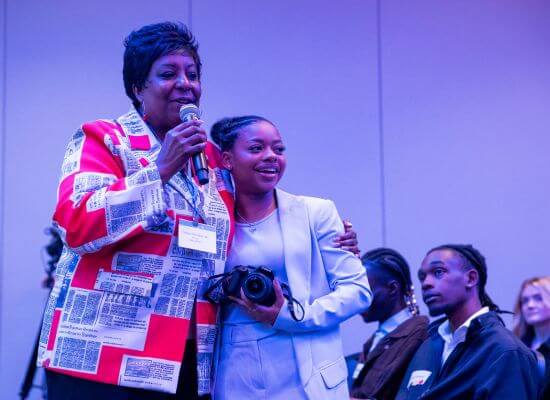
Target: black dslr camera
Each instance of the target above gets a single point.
(256, 282)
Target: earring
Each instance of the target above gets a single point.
(143, 113)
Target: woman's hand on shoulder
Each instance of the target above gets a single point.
(180, 143)
(348, 240)
(259, 312)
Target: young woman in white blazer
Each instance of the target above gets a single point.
(265, 353)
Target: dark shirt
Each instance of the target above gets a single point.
(544, 352)
(490, 364)
(386, 364)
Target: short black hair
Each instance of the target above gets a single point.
(225, 131)
(145, 45)
(394, 265)
(472, 258)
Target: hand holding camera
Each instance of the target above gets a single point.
(262, 313)
(255, 289)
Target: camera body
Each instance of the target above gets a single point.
(256, 283)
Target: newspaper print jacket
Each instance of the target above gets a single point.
(125, 292)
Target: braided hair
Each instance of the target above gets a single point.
(473, 259)
(394, 264)
(225, 131)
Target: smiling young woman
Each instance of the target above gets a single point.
(265, 351)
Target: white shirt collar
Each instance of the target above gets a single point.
(459, 335)
(389, 326)
(394, 321)
(452, 339)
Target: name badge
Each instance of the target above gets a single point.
(194, 236)
(419, 377)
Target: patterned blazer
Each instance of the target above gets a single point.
(125, 292)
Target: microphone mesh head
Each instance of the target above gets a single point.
(189, 111)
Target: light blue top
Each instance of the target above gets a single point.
(252, 353)
(256, 244)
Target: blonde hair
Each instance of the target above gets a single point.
(521, 329)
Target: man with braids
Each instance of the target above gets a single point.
(400, 332)
(469, 354)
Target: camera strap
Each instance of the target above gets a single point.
(287, 294)
(214, 294)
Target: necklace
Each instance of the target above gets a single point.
(251, 225)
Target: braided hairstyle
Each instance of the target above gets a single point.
(397, 267)
(225, 131)
(473, 259)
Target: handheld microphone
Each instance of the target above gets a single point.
(190, 112)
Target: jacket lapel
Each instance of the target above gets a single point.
(379, 349)
(296, 243)
(296, 234)
(144, 149)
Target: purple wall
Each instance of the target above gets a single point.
(466, 114)
(445, 142)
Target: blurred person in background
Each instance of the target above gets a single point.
(532, 311)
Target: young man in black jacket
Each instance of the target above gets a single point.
(470, 354)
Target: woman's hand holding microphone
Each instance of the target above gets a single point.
(179, 144)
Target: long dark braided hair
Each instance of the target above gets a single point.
(474, 259)
(395, 264)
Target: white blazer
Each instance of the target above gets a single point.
(329, 282)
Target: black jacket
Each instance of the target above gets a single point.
(544, 350)
(490, 364)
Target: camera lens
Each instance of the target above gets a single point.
(255, 286)
(259, 289)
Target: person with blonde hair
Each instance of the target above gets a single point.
(532, 326)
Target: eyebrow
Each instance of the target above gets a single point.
(174, 65)
(437, 262)
(168, 65)
(255, 139)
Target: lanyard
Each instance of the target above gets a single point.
(194, 191)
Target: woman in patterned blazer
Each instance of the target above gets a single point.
(124, 319)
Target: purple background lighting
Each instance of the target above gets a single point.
(426, 122)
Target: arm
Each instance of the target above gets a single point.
(97, 203)
(347, 279)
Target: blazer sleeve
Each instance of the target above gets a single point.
(98, 203)
(349, 290)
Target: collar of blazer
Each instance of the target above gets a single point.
(145, 148)
(295, 228)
